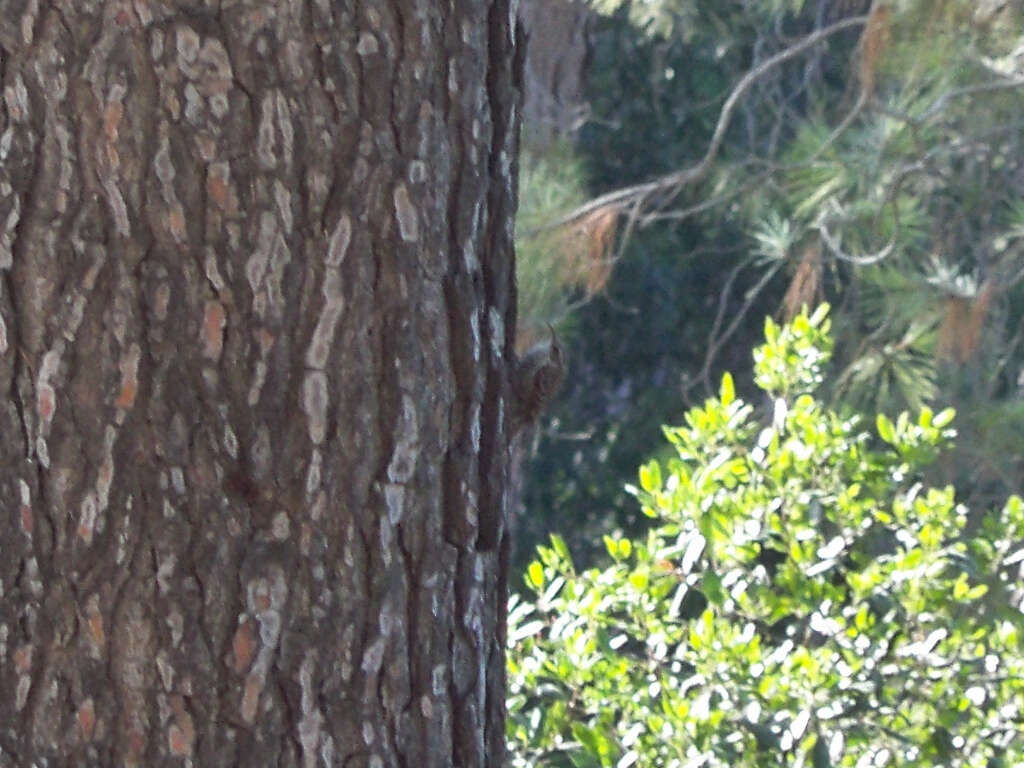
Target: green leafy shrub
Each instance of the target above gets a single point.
(804, 599)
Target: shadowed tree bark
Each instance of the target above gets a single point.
(256, 312)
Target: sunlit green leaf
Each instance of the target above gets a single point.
(885, 428)
(535, 575)
(728, 390)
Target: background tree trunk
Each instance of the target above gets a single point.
(256, 316)
(554, 103)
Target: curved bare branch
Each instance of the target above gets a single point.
(672, 183)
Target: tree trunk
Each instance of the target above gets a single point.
(256, 317)
(554, 104)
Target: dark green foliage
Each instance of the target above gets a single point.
(926, 173)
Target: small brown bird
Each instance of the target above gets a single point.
(537, 378)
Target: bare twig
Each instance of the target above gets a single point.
(715, 341)
(716, 326)
(861, 261)
(711, 202)
(940, 103)
(634, 214)
(890, 199)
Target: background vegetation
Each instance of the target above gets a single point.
(880, 169)
(737, 171)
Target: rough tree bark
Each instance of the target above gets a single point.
(256, 312)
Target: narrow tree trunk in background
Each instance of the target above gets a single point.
(555, 102)
(256, 316)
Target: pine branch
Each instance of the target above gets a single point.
(673, 183)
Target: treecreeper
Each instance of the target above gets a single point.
(537, 377)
